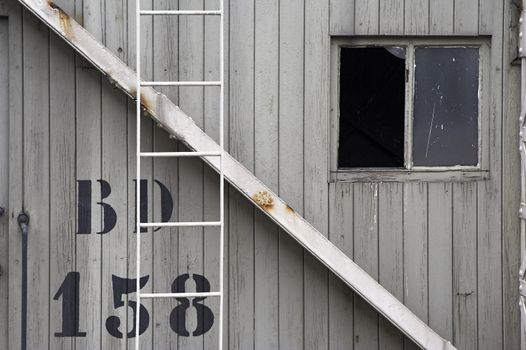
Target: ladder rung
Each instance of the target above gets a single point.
(181, 224)
(182, 12)
(180, 154)
(181, 83)
(180, 295)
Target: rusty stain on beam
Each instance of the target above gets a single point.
(178, 124)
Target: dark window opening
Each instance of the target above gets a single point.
(372, 107)
(445, 124)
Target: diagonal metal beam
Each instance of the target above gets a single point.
(177, 123)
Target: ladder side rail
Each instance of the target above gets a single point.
(138, 166)
(221, 168)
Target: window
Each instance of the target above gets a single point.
(410, 107)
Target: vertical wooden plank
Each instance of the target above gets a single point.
(211, 179)
(115, 17)
(114, 171)
(416, 17)
(466, 16)
(317, 66)
(4, 181)
(62, 182)
(510, 181)
(441, 17)
(165, 244)
(166, 171)
(88, 168)
(465, 265)
(89, 152)
(416, 250)
(342, 17)
(241, 213)
(366, 256)
(266, 102)
(191, 64)
(114, 150)
(36, 169)
(16, 172)
(291, 104)
(241, 275)
(391, 255)
(366, 17)
(146, 236)
(341, 304)
(391, 17)
(93, 18)
(440, 260)
(146, 56)
(489, 197)
(490, 17)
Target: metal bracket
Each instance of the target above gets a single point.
(522, 35)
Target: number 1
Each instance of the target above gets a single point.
(69, 291)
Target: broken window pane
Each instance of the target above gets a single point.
(372, 105)
(445, 124)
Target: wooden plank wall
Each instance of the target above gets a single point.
(447, 250)
(456, 239)
(4, 180)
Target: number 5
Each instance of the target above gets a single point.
(122, 286)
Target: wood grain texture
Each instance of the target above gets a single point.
(266, 122)
(466, 16)
(4, 182)
(391, 17)
(490, 18)
(366, 256)
(441, 17)
(191, 239)
(464, 265)
(291, 107)
(241, 213)
(211, 202)
(115, 168)
(416, 17)
(366, 14)
(62, 171)
(88, 167)
(341, 297)
(342, 17)
(490, 215)
(315, 167)
(165, 244)
(416, 252)
(440, 260)
(274, 97)
(36, 171)
(391, 255)
(16, 172)
(416, 249)
(510, 168)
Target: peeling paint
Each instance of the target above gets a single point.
(290, 209)
(264, 200)
(64, 20)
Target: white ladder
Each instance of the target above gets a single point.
(220, 154)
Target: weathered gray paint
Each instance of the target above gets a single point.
(4, 179)
(431, 244)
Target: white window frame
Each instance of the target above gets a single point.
(410, 172)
